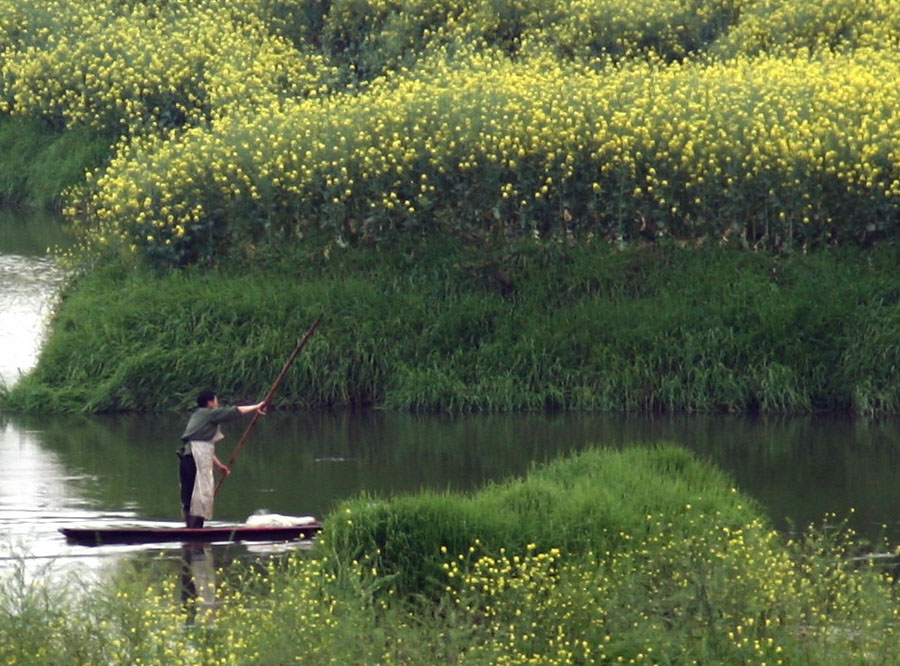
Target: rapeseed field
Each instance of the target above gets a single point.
(761, 122)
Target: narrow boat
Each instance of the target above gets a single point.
(101, 536)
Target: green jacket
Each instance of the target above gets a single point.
(204, 422)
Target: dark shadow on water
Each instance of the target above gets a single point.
(198, 582)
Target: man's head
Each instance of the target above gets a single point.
(207, 399)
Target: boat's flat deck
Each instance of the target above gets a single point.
(86, 536)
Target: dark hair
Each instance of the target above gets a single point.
(205, 397)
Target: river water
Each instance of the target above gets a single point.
(60, 471)
(29, 281)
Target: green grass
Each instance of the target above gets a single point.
(38, 163)
(593, 502)
(437, 327)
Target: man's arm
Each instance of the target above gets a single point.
(222, 467)
(249, 409)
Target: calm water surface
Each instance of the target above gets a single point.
(75, 471)
(58, 471)
(29, 280)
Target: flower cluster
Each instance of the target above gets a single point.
(775, 25)
(731, 595)
(127, 67)
(778, 149)
(616, 120)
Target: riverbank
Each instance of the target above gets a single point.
(494, 210)
(685, 572)
(439, 326)
(39, 162)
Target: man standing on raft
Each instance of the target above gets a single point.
(198, 455)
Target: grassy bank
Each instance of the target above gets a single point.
(39, 163)
(688, 573)
(282, 132)
(439, 327)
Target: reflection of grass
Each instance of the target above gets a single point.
(31, 233)
(450, 329)
(679, 584)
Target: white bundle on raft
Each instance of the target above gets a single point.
(277, 520)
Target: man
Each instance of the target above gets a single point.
(198, 455)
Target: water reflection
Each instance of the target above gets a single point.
(38, 495)
(30, 233)
(28, 287)
(198, 582)
(29, 282)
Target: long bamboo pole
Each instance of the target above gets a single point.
(268, 398)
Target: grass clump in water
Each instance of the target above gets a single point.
(597, 501)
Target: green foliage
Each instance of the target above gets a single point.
(490, 124)
(375, 35)
(596, 501)
(300, 21)
(870, 361)
(439, 327)
(39, 164)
